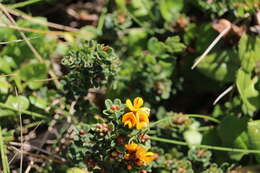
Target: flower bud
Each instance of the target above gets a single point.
(114, 107)
(120, 140)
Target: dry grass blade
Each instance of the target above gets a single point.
(45, 80)
(32, 147)
(223, 94)
(49, 24)
(57, 33)
(29, 167)
(6, 75)
(224, 32)
(39, 156)
(12, 159)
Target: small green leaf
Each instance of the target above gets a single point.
(220, 66)
(232, 133)
(192, 137)
(170, 9)
(18, 102)
(248, 52)
(155, 46)
(38, 102)
(174, 45)
(32, 72)
(108, 103)
(75, 170)
(254, 136)
(4, 85)
(6, 64)
(140, 8)
(246, 87)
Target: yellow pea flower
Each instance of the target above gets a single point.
(131, 147)
(142, 119)
(139, 155)
(129, 119)
(138, 116)
(143, 156)
(136, 105)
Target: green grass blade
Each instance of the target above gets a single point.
(170, 141)
(23, 4)
(4, 159)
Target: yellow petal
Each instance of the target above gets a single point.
(148, 157)
(144, 156)
(138, 102)
(130, 105)
(145, 109)
(141, 126)
(129, 119)
(131, 147)
(142, 119)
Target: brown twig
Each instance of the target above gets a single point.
(49, 24)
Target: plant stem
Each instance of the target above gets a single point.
(170, 141)
(189, 115)
(23, 4)
(203, 116)
(101, 21)
(33, 114)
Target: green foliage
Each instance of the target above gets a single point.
(18, 102)
(3, 150)
(100, 146)
(220, 66)
(253, 133)
(90, 65)
(238, 8)
(248, 54)
(124, 49)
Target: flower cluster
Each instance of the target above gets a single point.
(138, 116)
(138, 155)
(115, 138)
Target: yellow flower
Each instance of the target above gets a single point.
(138, 116)
(143, 156)
(142, 119)
(138, 102)
(129, 119)
(139, 155)
(131, 147)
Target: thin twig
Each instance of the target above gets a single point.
(45, 80)
(35, 148)
(223, 94)
(5, 75)
(59, 160)
(29, 167)
(21, 134)
(211, 46)
(33, 114)
(12, 159)
(57, 33)
(35, 20)
(16, 41)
